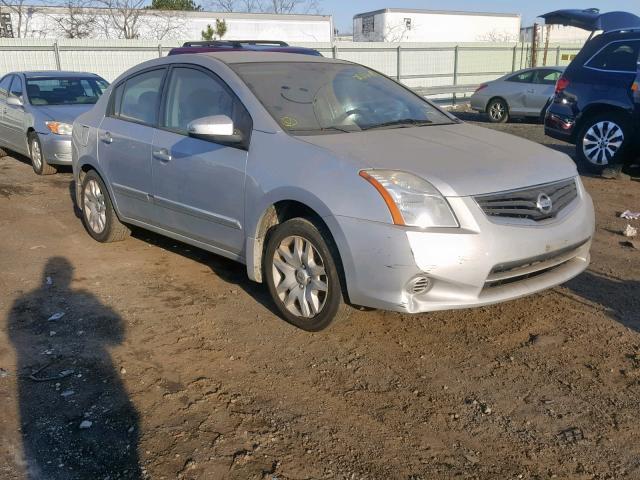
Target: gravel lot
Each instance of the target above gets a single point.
(169, 363)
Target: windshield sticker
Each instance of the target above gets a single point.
(288, 122)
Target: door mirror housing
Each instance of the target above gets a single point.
(215, 128)
(14, 101)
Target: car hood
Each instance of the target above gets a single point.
(459, 159)
(61, 113)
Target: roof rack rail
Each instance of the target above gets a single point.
(234, 43)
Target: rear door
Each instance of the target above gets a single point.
(14, 117)
(517, 88)
(198, 185)
(125, 137)
(5, 84)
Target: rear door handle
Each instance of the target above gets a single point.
(106, 137)
(162, 154)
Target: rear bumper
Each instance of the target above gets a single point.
(56, 148)
(560, 123)
(479, 264)
(478, 103)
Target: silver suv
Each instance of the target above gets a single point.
(333, 184)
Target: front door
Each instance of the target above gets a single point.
(198, 185)
(543, 88)
(125, 137)
(14, 118)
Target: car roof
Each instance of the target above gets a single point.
(265, 57)
(54, 73)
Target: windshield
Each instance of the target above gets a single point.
(65, 90)
(314, 98)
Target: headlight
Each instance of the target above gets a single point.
(412, 201)
(59, 128)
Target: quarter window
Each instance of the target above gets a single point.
(138, 99)
(194, 94)
(618, 57)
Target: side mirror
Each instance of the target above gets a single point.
(14, 101)
(215, 128)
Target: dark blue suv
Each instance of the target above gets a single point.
(596, 105)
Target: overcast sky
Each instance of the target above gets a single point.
(344, 10)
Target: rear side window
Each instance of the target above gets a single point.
(547, 77)
(617, 57)
(138, 98)
(524, 77)
(4, 86)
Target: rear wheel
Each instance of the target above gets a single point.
(38, 162)
(603, 142)
(98, 216)
(498, 111)
(302, 276)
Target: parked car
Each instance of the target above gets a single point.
(594, 106)
(525, 93)
(239, 45)
(332, 183)
(37, 110)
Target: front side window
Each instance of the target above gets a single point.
(524, 77)
(137, 100)
(16, 86)
(617, 56)
(547, 77)
(4, 86)
(318, 97)
(65, 90)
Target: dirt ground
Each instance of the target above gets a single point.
(169, 364)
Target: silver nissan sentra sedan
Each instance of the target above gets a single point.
(332, 183)
(37, 110)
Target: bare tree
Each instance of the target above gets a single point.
(122, 18)
(163, 24)
(79, 19)
(497, 36)
(23, 10)
(267, 6)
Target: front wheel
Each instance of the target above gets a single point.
(98, 216)
(38, 162)
(302, 275)
(603, 142)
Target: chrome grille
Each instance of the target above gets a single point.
(530, 202)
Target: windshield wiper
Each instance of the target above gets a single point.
(402, 123)
(332, 128)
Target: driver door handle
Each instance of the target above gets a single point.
(106, 138)
(162, 154)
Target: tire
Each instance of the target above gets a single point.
(498, 111)
(612, 128)
(291, 281)
(98, 216)
(39, 164)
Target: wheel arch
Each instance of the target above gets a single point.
(276, 213)
(82, 170)
(597, 109)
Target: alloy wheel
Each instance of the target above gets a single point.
(497, 111)
(36, 154)
(602, 141)
(95, 208)
(299, 277)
